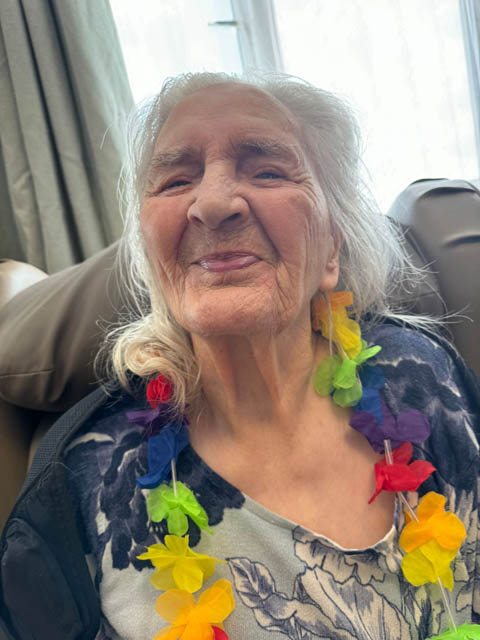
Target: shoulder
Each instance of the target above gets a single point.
(424, 372)
(400, 343)
(104, 459)
(426, 367)
(106, 437)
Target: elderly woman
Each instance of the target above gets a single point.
(250, 406)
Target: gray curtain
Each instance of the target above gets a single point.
(64, 96)
(470, 18)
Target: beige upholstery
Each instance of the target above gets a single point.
(49, 335)
(442, 218)
(16, 424)
(16, 276)
(56, 328)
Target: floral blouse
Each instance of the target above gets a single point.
(288, 582)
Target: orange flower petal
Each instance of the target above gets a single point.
(434, 524)
(341, 299)
(449, 530)
(170, 633)
(430, 504)
(338, 301)
(217, 602)
(196, 630)
(414, 535)
(175, 605)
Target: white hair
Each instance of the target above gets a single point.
(372, 259)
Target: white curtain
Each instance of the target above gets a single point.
(470, 17)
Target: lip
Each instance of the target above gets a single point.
(227, 261)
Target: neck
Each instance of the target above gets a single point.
(253, 380)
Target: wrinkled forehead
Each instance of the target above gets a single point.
(239, 103)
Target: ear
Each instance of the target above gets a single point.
(332, 266)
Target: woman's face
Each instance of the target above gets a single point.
(235, 223)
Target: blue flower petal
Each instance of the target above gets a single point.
(162, 448)
(371, 402)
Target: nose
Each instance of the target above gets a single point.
(218, 201)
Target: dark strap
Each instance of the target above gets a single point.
(53, 443)
(42, 538)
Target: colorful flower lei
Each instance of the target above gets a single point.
(180, 571)
(430, 539)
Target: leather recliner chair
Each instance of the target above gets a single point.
(51, 331)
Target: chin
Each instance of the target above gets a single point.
(233, 314)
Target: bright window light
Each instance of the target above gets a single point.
(162, 38)
(401, 64)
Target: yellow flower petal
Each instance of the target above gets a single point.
(175, 606)
(347, 333)
(159, 556)
(177, 546)
(337, 325)
(208, 566)
(178, 566)
(439, 557)
(188, 575)
(163, 580)
(152, 550)
(428, 563)
(447, 578)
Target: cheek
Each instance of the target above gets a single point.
(299, 229)
(161, 229)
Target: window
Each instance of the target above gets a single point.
(167, 37)
(400, 64)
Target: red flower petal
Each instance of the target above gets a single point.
(422, 469)
(400, 476)
(159, 390)
(402, 454)
(219, 634)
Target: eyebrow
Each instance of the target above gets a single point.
(164, 160)
(174, 158)
(265, 147)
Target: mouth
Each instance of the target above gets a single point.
(228, 261)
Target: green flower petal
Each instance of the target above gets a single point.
(348, 397)
(463, 632)
(346, 375)
(163, 503)
(323, 380)
(177, 522)
(156, 505)
(365, 354)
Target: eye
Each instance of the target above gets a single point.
(175, 184)
(270, 175)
